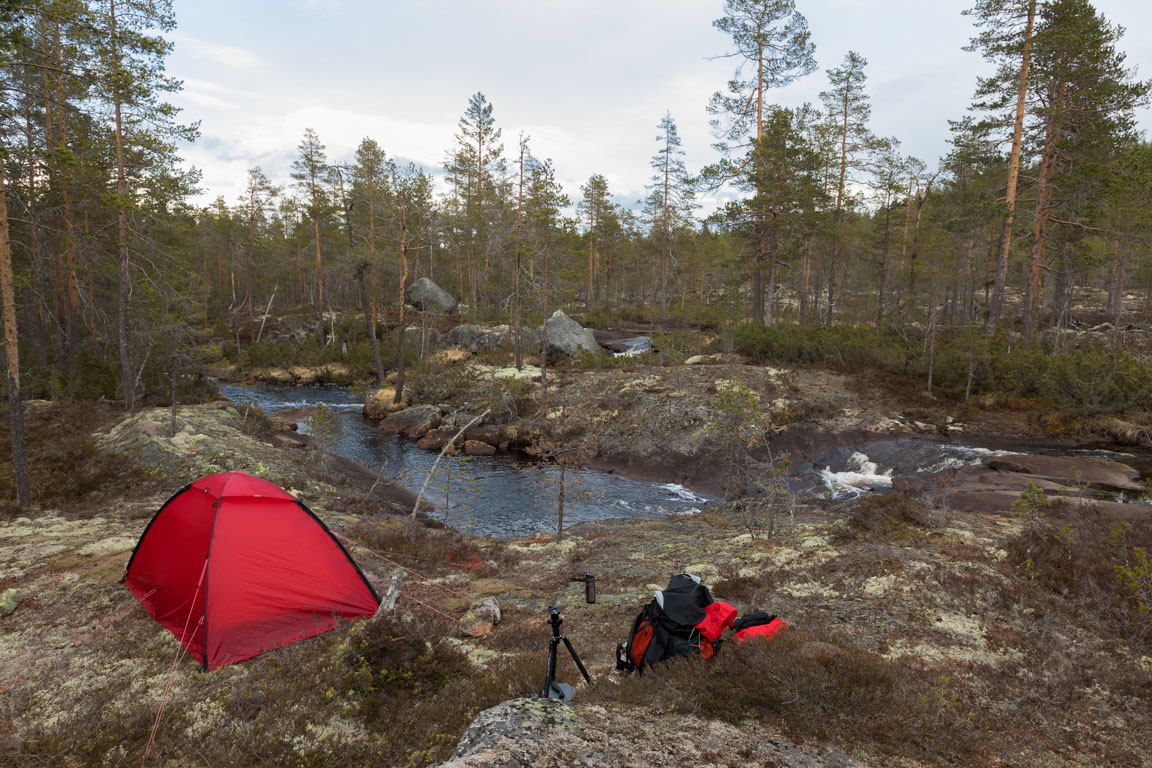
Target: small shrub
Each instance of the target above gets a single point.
(888, 516)
(816, 687)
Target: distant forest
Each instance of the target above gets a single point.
(1037, 219)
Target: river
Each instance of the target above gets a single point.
(501, 495)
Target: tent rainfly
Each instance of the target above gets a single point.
(237, 566)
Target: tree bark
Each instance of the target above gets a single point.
(127, 380)
(1034, 277)
(400, 329)
(996, 302)
(12, 350)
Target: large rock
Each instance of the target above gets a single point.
(1071, 470)
(426, 296)
(478, 337)
(524, 733)
(477, 448)
(414, 422)
(567, 338)
(436, 439)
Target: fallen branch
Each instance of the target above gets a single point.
(267, 309)
(436, 463)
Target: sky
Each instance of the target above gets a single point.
(587, 80)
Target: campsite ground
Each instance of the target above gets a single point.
(920, 636)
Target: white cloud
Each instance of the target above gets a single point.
(226, 55)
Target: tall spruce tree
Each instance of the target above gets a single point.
(847, 111)
(309, 170)
(671, 198)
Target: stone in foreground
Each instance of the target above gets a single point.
(481, 617)
(8, 601)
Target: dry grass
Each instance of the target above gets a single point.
(815, 685)
(66, 471)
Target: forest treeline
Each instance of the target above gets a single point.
(1037, 217)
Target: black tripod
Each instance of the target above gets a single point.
(553, 689)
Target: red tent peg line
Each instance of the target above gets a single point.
(273, 573)
(386, 559)
(429, 607)
(180, 649)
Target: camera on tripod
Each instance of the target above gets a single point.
(553, 689)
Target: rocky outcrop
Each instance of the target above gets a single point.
(380, 404)
(418, 338)
(995, 484)
(567, 338)
(436, 439)
(1070, 470)
(524, 733)
(478, 337)
(426, 296)
(414, 422)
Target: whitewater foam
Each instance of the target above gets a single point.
(865, 477)
(680, 492)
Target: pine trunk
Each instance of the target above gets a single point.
(12, 350)
(127, 381)
(997, 300)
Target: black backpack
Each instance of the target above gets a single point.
(666, 627)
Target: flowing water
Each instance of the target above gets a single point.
(513, 495)
(502, 495)
(849, 471)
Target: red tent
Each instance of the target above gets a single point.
(237, 566)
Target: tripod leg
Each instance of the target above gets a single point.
(551, 667)
(575, 658)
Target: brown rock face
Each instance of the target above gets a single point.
(1070, 470)
(997, 483)
(296, 414)
(416, 421)
(477, 448)
(490, 435)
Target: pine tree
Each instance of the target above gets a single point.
(1006, 40)
(1083, 90)
(847, 111)
(594, 206)
(309, 169)
(671, 198)
(772, 37)
(785, 191)
(476, 168)
(131, 78)
(370, 194)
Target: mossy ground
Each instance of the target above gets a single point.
(918, 636)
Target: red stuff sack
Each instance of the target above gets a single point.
(720, 617)
(757, 625)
